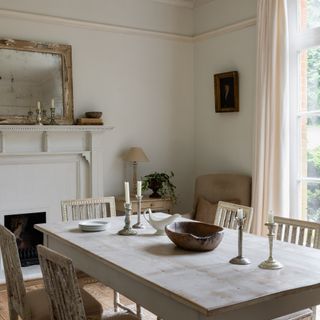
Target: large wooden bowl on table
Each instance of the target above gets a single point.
(195, 236)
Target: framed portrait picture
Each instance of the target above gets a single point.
(226, 91)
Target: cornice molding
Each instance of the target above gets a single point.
(226, 29)
(99, 26)
(126, 30)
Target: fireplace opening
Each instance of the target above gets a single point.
(27, 237)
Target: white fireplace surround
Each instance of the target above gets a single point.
(42, 165)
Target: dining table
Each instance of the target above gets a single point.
(177, 284)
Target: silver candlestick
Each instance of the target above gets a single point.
(127, 230)
(39, 117)
(52, 116)
(240, 259)
(139, 224)
(271, 263)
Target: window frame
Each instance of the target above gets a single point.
(298, 41)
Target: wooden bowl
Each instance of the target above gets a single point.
(195, 236)
(94, 114)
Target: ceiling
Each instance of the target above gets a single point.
(185, 3)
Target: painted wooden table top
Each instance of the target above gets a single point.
(204, 281)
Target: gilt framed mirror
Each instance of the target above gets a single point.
(31, 72)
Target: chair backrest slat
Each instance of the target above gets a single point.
(286, 233)
(304, 233)
(279, 231)
(90, 208)
(294, 234)
(226, 215)
(12, 268)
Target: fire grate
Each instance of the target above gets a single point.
(27, 237)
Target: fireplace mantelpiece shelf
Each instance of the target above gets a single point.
(45, 128)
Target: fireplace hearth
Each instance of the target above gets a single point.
(27, 237)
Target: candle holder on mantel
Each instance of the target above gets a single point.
(127, 230)
(139, 224)
(240, 259)
(52, 116)
(271, 263)
(39, 117)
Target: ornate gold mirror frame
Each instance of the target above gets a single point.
(59, 52)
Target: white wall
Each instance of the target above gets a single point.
(223, 142)
(156, 91)
(143, 84)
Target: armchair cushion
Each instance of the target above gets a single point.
(206, 210)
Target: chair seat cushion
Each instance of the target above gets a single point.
(39, 304)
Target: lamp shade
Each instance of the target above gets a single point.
(136, 154)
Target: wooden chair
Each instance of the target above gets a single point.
(61, 285)
(227, 212)
(303, 233)
(32, 305)
(94, 208)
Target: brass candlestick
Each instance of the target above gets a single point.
(271, 263)
(139, 224)
(240, 259)
(127, 230)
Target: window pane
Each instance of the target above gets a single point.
(311, 205)
(310, 146)
(310, 79)
(309, 14)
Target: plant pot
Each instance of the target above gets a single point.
(155, 186)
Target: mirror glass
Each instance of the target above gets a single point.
(32, 72)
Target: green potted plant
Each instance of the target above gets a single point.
(160, 184)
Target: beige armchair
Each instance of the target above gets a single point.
(215, 187)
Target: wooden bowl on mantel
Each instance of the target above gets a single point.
(194, 236)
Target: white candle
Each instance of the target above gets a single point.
(127, 192)
(38, 105)
(270, 217)
(240, 213)
(52, 103)
(139, 183)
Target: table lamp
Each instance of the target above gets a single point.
(135, 155)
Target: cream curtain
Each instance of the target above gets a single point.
(271, 166)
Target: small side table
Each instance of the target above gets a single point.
(160, 204)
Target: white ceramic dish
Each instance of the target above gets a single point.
(93, 225)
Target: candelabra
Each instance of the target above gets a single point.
(271, 263)
(240, 259)
(139, 224)
(127, 230)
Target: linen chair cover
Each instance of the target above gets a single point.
(31, 305)
(94, 208)
(61, 284)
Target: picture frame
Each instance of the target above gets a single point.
(226, 91)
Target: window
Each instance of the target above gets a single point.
(304, 71)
